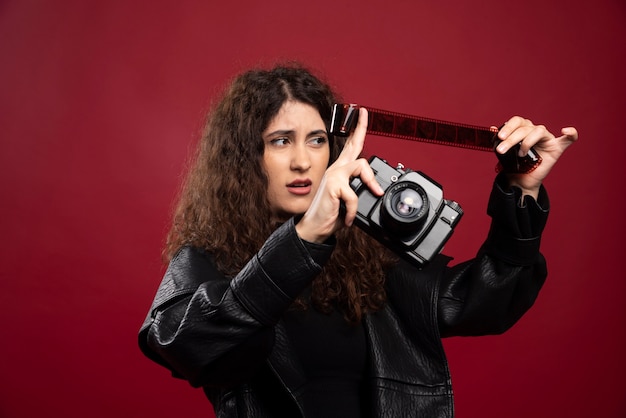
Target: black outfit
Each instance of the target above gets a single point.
(333, 357)
(238, 340)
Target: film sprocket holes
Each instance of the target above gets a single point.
(412, 218)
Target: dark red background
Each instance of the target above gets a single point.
(100, 103)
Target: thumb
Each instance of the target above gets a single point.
(570, 134)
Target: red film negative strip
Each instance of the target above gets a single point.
(402, 126)
(415, 128)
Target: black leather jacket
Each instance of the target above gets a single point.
(226, 335)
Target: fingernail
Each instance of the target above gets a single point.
(501, 148)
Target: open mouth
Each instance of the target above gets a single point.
(300, 186)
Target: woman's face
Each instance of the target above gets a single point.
(296, 156)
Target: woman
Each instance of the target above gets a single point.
(276, 306)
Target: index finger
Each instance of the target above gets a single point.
(511, 125)
(354, 144)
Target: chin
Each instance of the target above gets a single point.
(285, 213)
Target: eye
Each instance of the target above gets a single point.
(280, 141)
(318, 140)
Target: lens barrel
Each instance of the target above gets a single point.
(404, 209)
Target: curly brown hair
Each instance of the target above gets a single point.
(223, 205)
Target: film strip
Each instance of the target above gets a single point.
(415, 128)
(402, 126)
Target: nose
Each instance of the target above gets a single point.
(300, 158)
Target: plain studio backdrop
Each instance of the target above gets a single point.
(102, 101)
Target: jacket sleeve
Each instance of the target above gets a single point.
(214, 331)
(490, 293)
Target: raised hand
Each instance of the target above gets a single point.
(323, 218)
(550, 147)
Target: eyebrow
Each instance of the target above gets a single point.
(291, 131)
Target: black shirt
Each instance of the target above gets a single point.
(333, 356)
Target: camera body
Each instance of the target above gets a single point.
(412, 218)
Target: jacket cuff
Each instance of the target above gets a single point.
(517, 223)
(278, 273)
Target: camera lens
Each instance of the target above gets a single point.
(407, 202)
(405, 208)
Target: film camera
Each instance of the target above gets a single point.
(411, 218)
